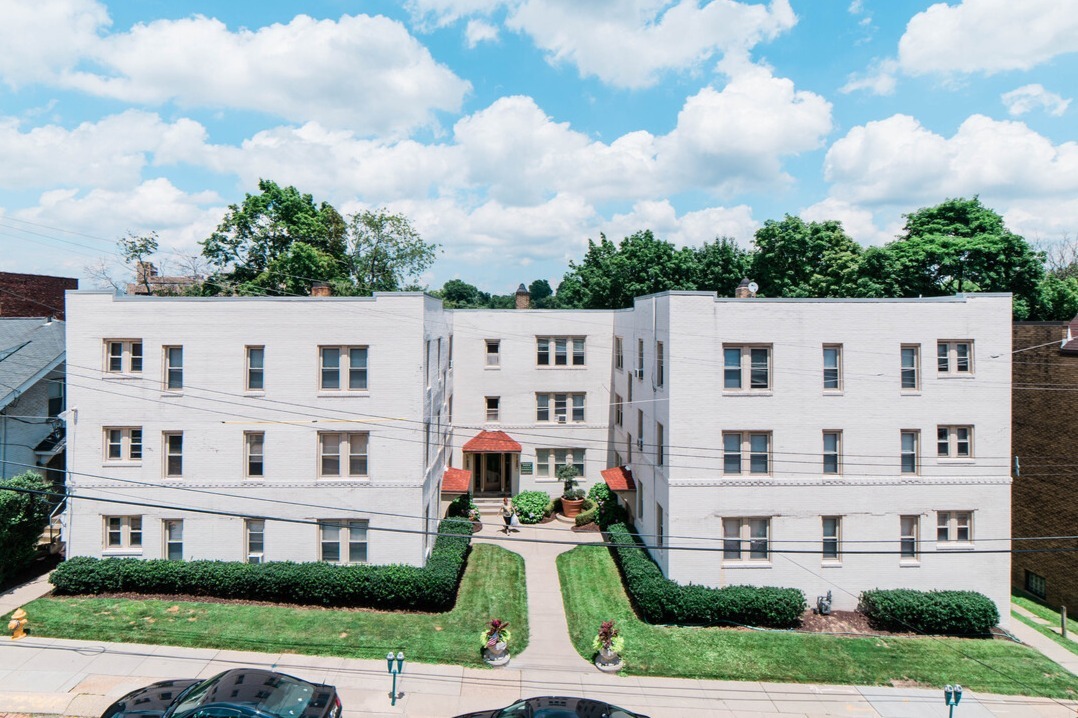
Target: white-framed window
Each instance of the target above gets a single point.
(832, 452)
(746, 368)
(343, 455)
(493, 408)
(173, 535)
(173, 444)
(619, 411)
(343, 369)
(660, 364)
(954, 526)
(123, 443)
(832, 367)
(911, 367)
(954, 442)
(746, 452)
(559, 351)
(745, 539)
(619, 356)
(832, 538)
(426, 365)
(910, 535)
(640, 359)
(640, 430)
(494, 349)
(660, 454)
(255, 375)
(254, 448)
(660, 525)
(548, 461)
(566, 407)
(173, 368)
(123, 356)
(255, 540)
(55, 388)
(955, 357)
(123, 532)
(343, 542)
(910, 453)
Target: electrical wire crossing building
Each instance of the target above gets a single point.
(824, 444)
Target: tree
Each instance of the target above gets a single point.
(1057, 299)
(293, 271)
(542, 296)
(720, 266)
(385, 250)
(137, 250)
(798, 259)
(458, 294)
(23, 516)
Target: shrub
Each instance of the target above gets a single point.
(431, 588)
(956, 613)
(660, 600)
(531, 506)
(463, 507)
(610, 509)
(588, 512)
(568, 475)
(23, 516)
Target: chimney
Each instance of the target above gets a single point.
(321, 289)
(144, 271)
(524, 298)
(746, 289)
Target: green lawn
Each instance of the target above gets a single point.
(1052, 630)
(493, 587)
(592, 592)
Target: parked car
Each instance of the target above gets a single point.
(238, 693)
(556, 707)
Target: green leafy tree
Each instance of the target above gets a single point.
(458, 294)
(542, 295)
(385, 251)
(720, 266)
(1057, 299)
(137, 249)
(293, 271)
(794, 258)
(23, 517)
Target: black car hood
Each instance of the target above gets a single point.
(150, 701)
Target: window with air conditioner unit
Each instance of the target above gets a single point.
(559, 407)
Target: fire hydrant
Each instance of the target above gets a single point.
(17, 625)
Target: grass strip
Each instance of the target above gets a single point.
(592, 592)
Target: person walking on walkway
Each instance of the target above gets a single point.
(507, 513)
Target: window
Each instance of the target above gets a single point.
(640, 430)
(494, 352)
(744, 452)
(343, 541)
(173, 368)
(832, 367)
(660, 364)
(173, 442)
(832, 526)
(56, 397)
(619, 358)
(910, 528)
(350, 361)
(832, 452)
(565, 350)
(740, 362)
(954, 526)
(1036, 584)
(660, 539)
(911, 367)
(255, 530)
(561, 404)
(619, 410)
(256, 360)
(123, 356)
(955, 442)
(910, 440)
(174, 540)
(640, 359)
(426, 365)
(123, 444)
(548, 461)
(493, 403)
(254, 443)
(745, 539)
(659, 458)
(334, 447)
(123, 532)
(955, 358)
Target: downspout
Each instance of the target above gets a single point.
(3, 443)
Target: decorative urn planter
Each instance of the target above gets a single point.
(571, 507)
(498, 655)
(495, 642)
(608, 660)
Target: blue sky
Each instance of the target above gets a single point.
(511, 131)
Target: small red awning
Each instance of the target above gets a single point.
(456, 481)
(619, 478)
(492, 442)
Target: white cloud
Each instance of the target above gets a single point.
(878, 80)
(478, 31)
(988, 36)
(859, 222)
(1030, 97)
(690, 229)
(40, 39)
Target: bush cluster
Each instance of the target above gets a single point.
(610, 510)
(23, 517)
(531, 506)
(955, 613)
(588, 512)
(463, 507)
(660, 600)
(431, 588)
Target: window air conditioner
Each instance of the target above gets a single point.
(450, 365)
(561, 418)
(640, 444)
(640, 374)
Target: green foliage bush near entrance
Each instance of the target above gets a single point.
(23, 516)
(531, 506)
(955, 613)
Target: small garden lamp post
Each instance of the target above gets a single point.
(395, 671)
(953, 696)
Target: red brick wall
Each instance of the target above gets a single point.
(33, 295)
(1045, 440)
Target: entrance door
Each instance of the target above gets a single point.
(493, 476)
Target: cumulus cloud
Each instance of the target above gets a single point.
(859, 222)
(41, 39)
(690, 229)
(478, 31)
(879, 79)
(1031, 97)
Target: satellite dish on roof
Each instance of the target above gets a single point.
(753, 286)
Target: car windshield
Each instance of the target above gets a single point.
(262, 691)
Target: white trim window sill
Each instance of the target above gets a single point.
(122, 553)
(910, 392)
(114, 376)
(747, 564)
(121, 464)
(955, 546)
(254, 394)
(909, 563)
(343, 394)
(831, 564)
(167, 393)
(489, 367)
(967, 375)
(748, 392)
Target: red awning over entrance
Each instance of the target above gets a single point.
(619, 478)
(492, 442)
(456, 481)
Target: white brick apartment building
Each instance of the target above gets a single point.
(785, 435)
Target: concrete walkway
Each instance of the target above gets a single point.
(24, 594)
(1042, 643)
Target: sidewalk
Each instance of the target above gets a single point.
(1042, 643)
(24, 594)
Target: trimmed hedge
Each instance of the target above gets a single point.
(431, 588)
(588, 512)
(660, 600)
(954, 613)
(531, 506)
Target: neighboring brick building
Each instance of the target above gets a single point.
(33, 295)
(1045, 436)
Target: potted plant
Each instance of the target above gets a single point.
(495, 642)
(572, 498)
(609, 645)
